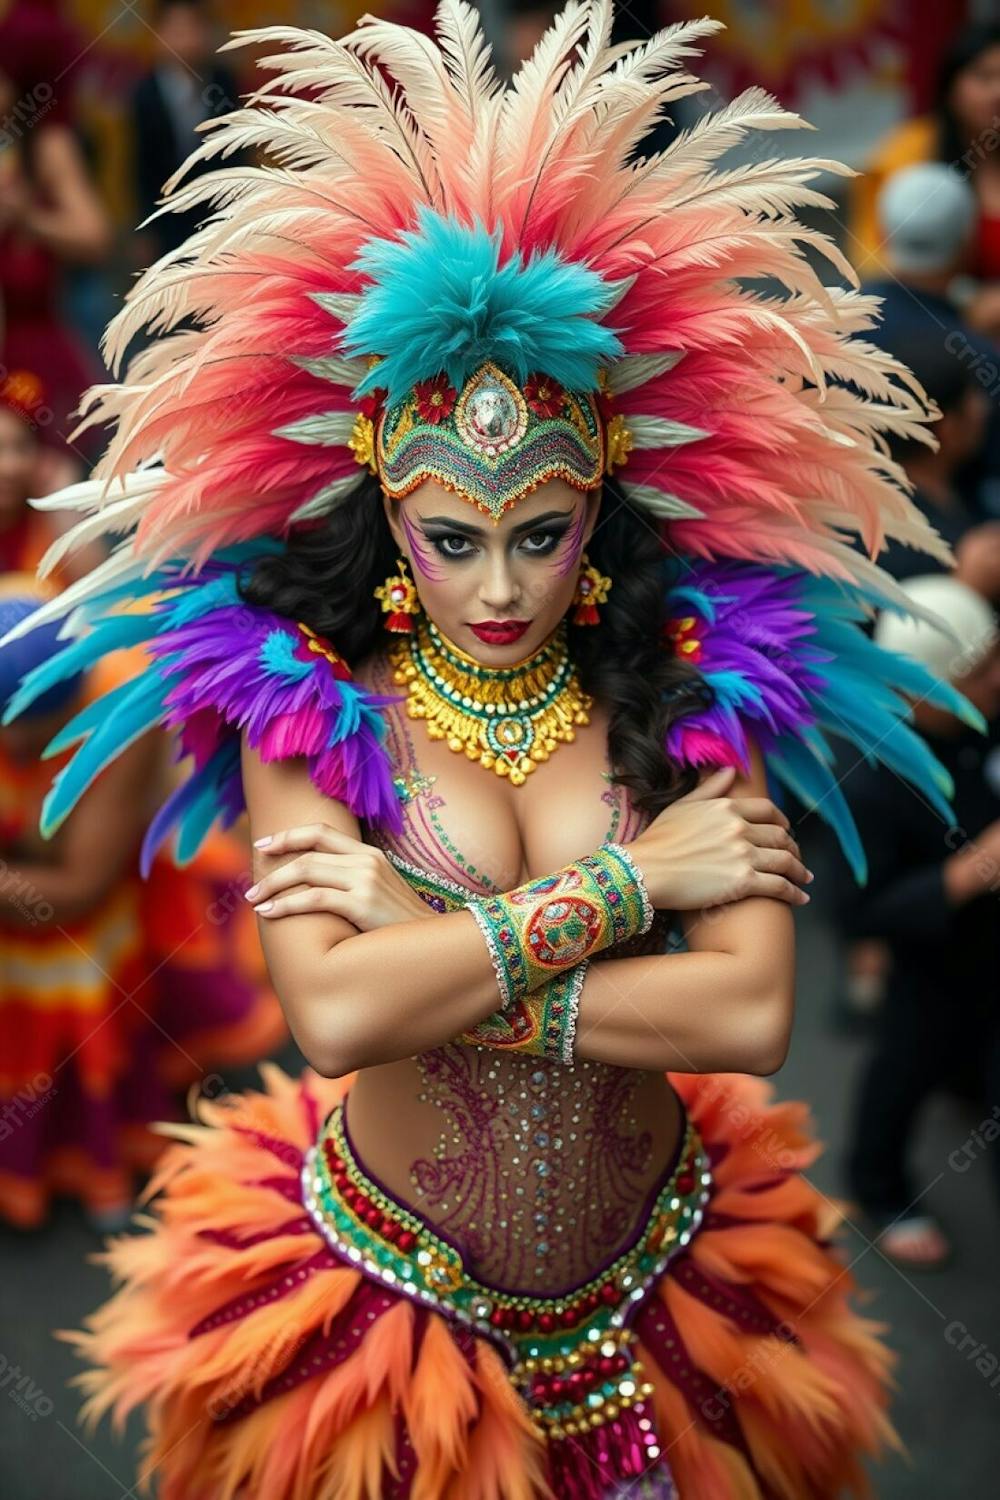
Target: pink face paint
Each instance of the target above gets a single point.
(573, 541)
(423, 559)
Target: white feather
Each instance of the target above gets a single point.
(633, 370)
(336, 368)
(328, 429)
(328, 498)
(660, 502)
(658, 432)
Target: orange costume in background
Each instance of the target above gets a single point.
(105, 1016)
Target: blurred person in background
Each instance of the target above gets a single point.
(185, 86)
(115, 992)
(935, 472)
(26, 534)
(50, 218)
(525, 23)
(927, 216)
(932, 896)
(963, 130)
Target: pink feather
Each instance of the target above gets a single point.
(347, 140)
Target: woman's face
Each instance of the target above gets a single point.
(471, 572)
(975, 93)
(18, 457)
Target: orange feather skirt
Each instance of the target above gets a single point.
(294, 1334)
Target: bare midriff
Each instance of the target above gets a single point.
(536, 1171)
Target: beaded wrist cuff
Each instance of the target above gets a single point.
(648, 911)
(542, 1024)
(555, 922)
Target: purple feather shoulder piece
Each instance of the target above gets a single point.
(241, 669)
(789, 664)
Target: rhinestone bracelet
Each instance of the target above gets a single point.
(542, 1024)
(555, 922)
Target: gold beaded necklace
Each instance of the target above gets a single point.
(506, 718)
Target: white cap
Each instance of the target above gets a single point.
(965, 614)
(926, 214)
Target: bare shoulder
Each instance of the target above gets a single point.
(282, 794)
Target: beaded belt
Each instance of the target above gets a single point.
(570, 1357)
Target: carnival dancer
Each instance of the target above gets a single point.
(115, 993)
(487, 504)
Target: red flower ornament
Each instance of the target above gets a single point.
(544, 396)
(372, 404)
(683, 634)
(434, 399)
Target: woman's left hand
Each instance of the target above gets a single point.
(329, 871)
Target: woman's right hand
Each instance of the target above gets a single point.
(707, 848)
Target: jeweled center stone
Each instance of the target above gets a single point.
(492, 413)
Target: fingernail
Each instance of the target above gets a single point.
(262, 843)
(805, 898)
(251, 893)
(810, 876)
(266, 905)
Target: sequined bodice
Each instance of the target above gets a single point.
(538, 1172)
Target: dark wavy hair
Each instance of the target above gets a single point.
(968, 46)
(326, 576)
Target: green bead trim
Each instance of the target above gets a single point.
(437, 890)
(431, 1271)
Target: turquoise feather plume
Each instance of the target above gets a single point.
(441, 301)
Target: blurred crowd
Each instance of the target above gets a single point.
(115, 993)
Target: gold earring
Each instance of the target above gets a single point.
(591, 590)
(399, 600)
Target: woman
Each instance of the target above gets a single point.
(415, 524)
(50, 217)
(962, 131)
(115, 993)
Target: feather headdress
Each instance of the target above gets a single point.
(756, 419)
(755, 422)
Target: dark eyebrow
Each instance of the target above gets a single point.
(463, 526)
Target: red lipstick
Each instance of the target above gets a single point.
(499, 632)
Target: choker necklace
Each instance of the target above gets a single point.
(506, 718)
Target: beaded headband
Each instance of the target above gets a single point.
(492, 442)
(490, 374)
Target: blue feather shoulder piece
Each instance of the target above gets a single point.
(216, 667)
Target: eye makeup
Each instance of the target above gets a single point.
(439, 530)
(423, 559)
(574, 537)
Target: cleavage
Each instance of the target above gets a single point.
(471, 836)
